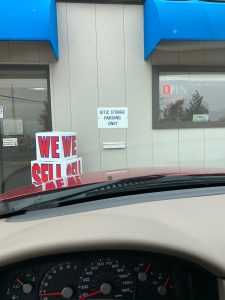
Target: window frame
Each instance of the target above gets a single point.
(32, 68)
(156, 123)
(19, 69)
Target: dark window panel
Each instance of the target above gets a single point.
(25, 99)
(188, 97)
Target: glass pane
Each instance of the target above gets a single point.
(25, 106)
(196, 98)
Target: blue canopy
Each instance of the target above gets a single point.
(29, 20)
(190, 20)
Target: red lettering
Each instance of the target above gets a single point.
(76, 168)
(49, 186)
(79, 166)
(73, 181)
(167, 89)
(55, 146)
(73, 168)
(44, 172)
(58, 171)
(50, 172)
(35, 171)
(69, 170)
(60, 183)
(67, 144)
(78, 179)
(74, 145)
(44, 146)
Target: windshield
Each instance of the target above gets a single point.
(99, 111)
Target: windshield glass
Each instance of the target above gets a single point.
(99, 110)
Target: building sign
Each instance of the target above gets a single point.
(1, 111)
(54, 146)
(56, 158)
(112, 117)
(167, 89)
(200, 117)
(12, 127)
(10, 142)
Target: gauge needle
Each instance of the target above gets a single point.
(83, 297)
(19, 281)
(167, 282)
(147, 268)
(51, 294)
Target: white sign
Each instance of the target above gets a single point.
(43, 172)
(112, 117)
(54, 146)
(10, 142)
(200, 118)
(1, 111)
(12, 127)
(56, 158)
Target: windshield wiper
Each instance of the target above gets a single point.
(115, 188)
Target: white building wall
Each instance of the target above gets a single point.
(101, 64)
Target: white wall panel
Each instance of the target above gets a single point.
(138, 87)
(59, 72)
(111, 75)
(165, 148)
(191, 148)
(215, 148)
(101, 63)
(84, 81)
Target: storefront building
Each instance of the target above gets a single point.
(162, 60)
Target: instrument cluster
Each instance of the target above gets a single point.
(122, 275)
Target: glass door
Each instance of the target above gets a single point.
(24, 110)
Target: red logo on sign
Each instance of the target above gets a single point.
(167, 89)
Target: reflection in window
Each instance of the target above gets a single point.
(191, 100)
(25, 106)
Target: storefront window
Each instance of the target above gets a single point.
(24, 110)
(188, 99)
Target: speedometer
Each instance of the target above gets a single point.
(60, 282)
(106, 278)
(22, 287)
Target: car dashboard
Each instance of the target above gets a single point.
(124, 275)
(158, 246)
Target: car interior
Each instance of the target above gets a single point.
(163, 245)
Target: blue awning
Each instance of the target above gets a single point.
(190, 20)
(29, 20)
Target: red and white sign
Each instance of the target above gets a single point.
(43, 172)
(56, 145)
(61, 183)
(167, 89)
(56, 158)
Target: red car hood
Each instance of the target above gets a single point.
(103, 176)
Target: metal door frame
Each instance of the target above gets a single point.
(21, 68)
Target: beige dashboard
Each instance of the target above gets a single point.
(192, 228)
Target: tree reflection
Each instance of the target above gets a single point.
(176, 111)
